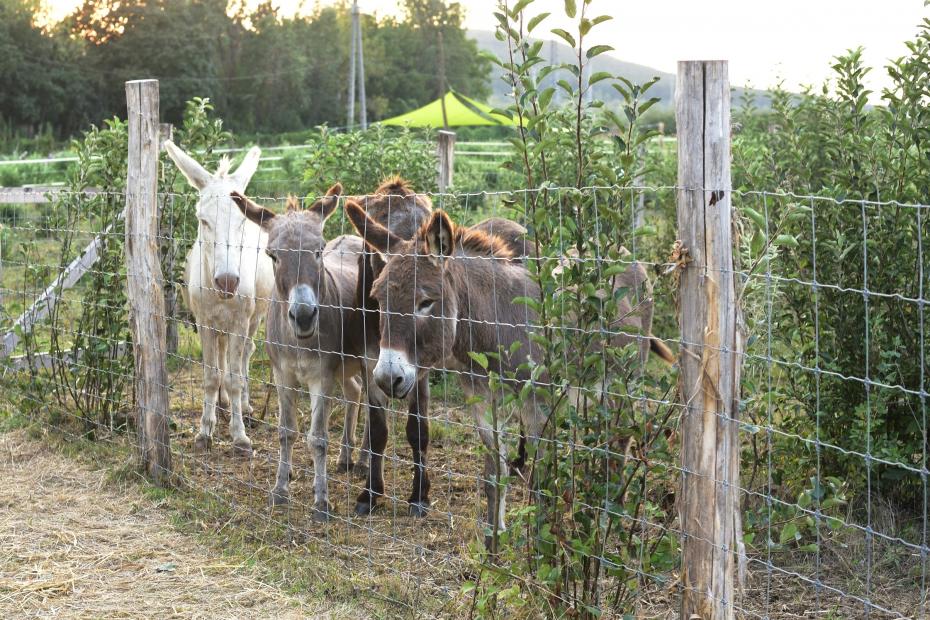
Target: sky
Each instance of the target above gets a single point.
(789, 40)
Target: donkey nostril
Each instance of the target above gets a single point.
(226, 283)
(398, 383)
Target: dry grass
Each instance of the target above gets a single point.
(73, 545)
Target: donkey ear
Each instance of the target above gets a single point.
(195, 174)
(375, 235)
(247, 168)
(326, 205)
(439, 236)
(256, 213)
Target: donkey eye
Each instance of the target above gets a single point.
(274, 259)
(425, 306)
(319, 254)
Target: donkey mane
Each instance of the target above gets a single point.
(222, 169)
(394, 186)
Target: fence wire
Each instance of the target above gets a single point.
(833, 484)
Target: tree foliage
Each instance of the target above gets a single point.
(264, 72)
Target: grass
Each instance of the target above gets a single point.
(298, 566)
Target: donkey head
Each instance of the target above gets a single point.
(221, 226)
(417, 297)
(295, 245)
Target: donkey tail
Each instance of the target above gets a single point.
(661, 349)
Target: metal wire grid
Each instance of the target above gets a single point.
(391, 535)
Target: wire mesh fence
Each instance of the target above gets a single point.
(512, 401)
(832, 428)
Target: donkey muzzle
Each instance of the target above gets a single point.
(226, 285)
(303, 319)
(394, 373)
(303, 313)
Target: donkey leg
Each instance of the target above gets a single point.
(236, 376)
(363, 464)
(247, 352)
(318, 440)
(352, 391)
(377, 433)
(495, 466)
(287, 435)
(212, 380)
(222, 366)
(418, 438)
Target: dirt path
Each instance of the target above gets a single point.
(73, 545)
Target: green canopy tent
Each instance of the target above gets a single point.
(460, 111)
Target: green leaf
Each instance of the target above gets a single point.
(565, 36)
(597, 50)
(479, 358)
(600, 76)
(531, 25)
(788, 240)
(788, 533)
(755, 216)
(545, 97)
(571, 8)
(519, 6)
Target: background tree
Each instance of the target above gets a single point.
(264, 73)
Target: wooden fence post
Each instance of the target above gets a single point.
(446, 165)
(144, 280)
(168, 253)
(711, 347)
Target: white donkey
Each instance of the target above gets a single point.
(229, 281)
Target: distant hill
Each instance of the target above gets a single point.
(558, 52)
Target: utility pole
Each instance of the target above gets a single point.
(356, 60)
(353, 61)
(442, 78)
(363, 106)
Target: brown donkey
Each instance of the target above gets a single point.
(448, 292)
(395, 206)
(310, 335)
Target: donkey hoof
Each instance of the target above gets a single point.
(345, 465)
(364, 508)
(203, 442)
(322, 513)
(243, 447)
(279, 497)
(249, 421)
(419, 509)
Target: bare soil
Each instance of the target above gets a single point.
(73, 544)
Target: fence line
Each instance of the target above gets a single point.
(727, 520)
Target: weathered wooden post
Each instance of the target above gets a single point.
(168, 252)
(144, 280)
(711, 347)
(446, 165)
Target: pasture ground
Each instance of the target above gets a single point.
(75, 544)
(81, 534)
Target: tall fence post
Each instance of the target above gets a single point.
(711, 347)
(446, 165)
(144, 280)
